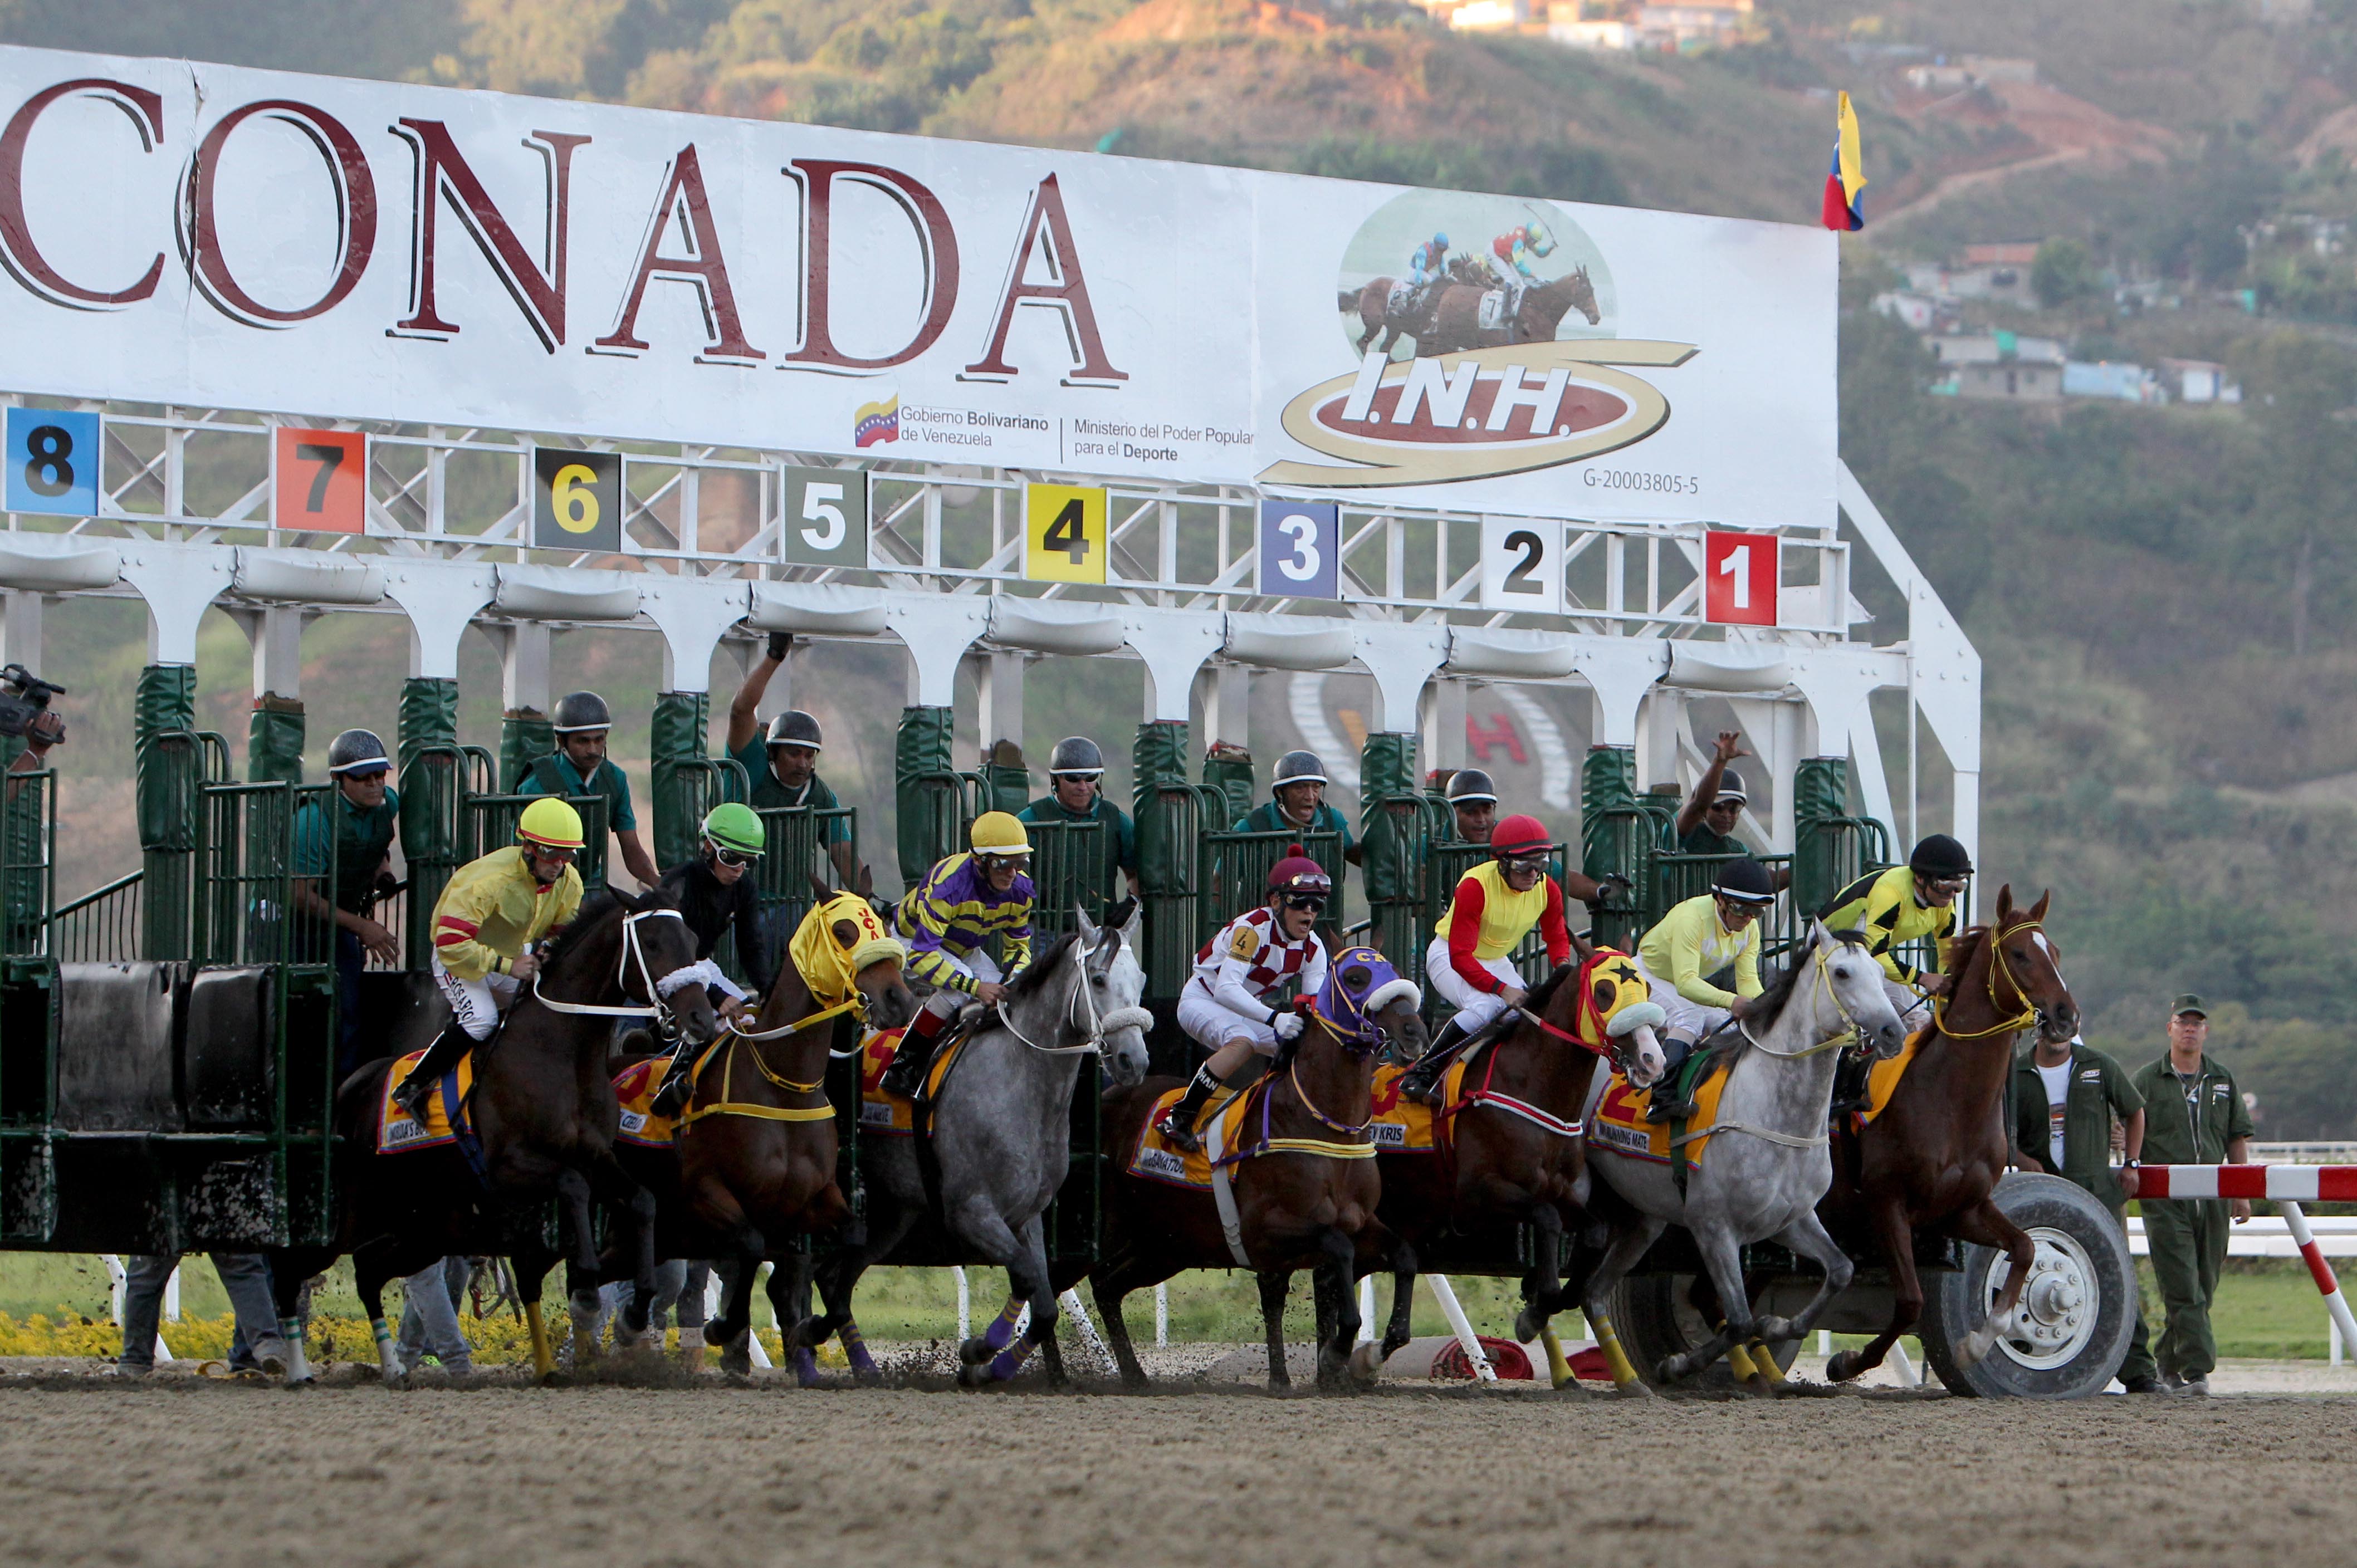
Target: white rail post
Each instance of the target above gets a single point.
(1366, 1309)
(965, 1305)
(1162, 1314)
(1462, 1326)
(172, 1297)
(1071, 1302)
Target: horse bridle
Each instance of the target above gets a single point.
(1849, 1032)
(1099, 1026)
(633, 951)
(2007, 1023)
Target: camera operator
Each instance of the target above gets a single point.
(24, 711)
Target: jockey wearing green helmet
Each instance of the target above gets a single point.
(715, 895)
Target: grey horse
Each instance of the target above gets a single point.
(1001, 1141)
(1768, 1163)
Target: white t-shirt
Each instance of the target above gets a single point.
(2057, 1080)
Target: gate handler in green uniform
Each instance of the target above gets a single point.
(2194, 1115)
(579, 766)
(783, 760)
(357, 820)
(2064, 1098)
(1076, 794)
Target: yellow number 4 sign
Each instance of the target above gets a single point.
(1064, 533)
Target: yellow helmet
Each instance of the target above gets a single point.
(997, 832)
(551, 822)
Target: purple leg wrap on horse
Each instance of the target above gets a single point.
(1007, 1362)
(854, 1347)
(1002, 1328)
(805, 1368)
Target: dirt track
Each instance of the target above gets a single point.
(180, 1472)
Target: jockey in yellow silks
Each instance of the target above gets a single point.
(1702, 960)
(1495, 905)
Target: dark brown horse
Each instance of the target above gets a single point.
(1456, 316)
(1295, 1208)
(1510, 1150)
(1372, 302)
(1930, 1161)
(753, 1161)
(545, 1113)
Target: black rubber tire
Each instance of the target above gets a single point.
(1953, 1302)
(1652, 1315)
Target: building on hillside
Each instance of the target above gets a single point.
(1669, 26)
(1999, 272)
(1990, 347)
(1943, 75)
(2106, 378)
(2200, 380)
(1488, 15)
(1697, 24)
(1573, 32)
(1919, 312)
(1998, 365)
(1989, 67)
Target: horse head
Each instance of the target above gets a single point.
(1846, 994)
(1365, 1001)
(2022, 955)
(1115, 982)
(875, 955)
(658, 966)
(1545, 306)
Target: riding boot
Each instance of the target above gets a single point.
(679, 1081)
(1849, 1085)
(1668, 1104)
(914, 1054)
(1422, 1077)
(439, 1059)
(1177, 1124)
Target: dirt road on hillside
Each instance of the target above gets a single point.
(186, 1473)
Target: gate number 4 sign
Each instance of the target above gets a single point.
(1064, 533)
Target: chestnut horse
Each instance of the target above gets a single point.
(1930, 1161)
(1372, 302)
(1456, 323)
(1511, 1150)
(1296, 1207)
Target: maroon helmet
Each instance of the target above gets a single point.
(1297, 873)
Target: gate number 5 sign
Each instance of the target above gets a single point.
(1741, 573)
(826, 516)
(1064, 533)
(577, 500)
(1300, 550)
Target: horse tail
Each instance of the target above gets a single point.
(1346, 299)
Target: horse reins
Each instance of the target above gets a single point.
(1099, 1026)
(2007, 1023)
(656, 990)
(1849, 1030)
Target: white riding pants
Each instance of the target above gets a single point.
(1475, 1009)
(1688, 1020)
(1213, 1025)
(949, 1001)
(476, 1004)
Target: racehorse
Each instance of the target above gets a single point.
(1767, 1164)
(1372, 302)
(1456, 316)
(752, 1160)
(1930, 1160)
(1309, 1202)
(1000, 1140)
(1512, 1149)
(544, 1116)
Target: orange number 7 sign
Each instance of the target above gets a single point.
(320, 480)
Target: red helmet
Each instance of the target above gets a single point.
(1297, 873)
(1519, 834)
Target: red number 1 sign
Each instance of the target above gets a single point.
(321, 481)
(1739, 577)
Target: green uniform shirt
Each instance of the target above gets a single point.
(554, 774)
(769, 795)
(1270, 817)
(2190, 1122)
(2099, 1090)
(1702, 841)
(1119, 836)
(361, 840)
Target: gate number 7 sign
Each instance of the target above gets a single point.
(320, 480)
(1741, 573)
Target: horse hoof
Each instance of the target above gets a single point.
(1844, 1365)
(976, 1351)
(1636, 1388)
(974, 1374)
(1366, 1362)
(1670, 1369)
(1528, 1327)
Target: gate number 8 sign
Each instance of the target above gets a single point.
(1522, 565)
(53, 462)
(1741, 573)
(1300, 550)
(1064, 533)
(577, 500)
(320, 480)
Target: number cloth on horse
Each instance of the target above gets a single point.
(1404, 1125)
(881, 1111)
(399, 1132)
(1156, 1158)
(635, 1086)
(1620, 1126)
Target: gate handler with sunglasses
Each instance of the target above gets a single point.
(1224, 1006)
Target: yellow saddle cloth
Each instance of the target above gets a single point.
(890, 1114)
(1620, 1126)
(399, 1132)
(1882, 1079)
(636, 1088)
(1405, 1126)
(1157, 1159)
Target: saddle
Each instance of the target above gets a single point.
(440, 1120)
(882, 1112)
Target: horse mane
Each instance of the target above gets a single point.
(1557, 979)
(1033, 976)
(594, 911)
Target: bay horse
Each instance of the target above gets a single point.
(1932, 1157)
(1456, 316)
(544, 1116)
(752, 1160)
(1000, 1142)
(1512, 1149)
(1301, 1205)
(1372, 303)
(1768, 1163)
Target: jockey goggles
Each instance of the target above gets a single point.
(733, 856)
(1313, 902)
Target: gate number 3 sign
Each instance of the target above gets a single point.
(1300, 550)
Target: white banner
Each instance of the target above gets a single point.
(318, 247)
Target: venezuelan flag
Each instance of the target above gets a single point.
(1847, 177)
(877, 421)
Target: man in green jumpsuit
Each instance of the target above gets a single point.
(2194, 1115)
(2064, 1098)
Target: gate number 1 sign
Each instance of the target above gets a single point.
(1741, 573)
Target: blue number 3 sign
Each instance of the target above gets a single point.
(53, 462)
(1300, 550)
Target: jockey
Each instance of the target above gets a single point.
(485, 924)
(1701, 948)
(1430, 261)
(1495, 905)
(1904, 904)
(1509, 263)
(1224, 1006)
(714, 894)
(948, 920)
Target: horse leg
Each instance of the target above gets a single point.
(1273, 1284)
(1111, 1288)
(370, 1271)
(1898, 1238)
(1807, 1236)
(1335, 1351)
(625, 1195)
(587, 1305)
(1543, 1288)
(1396, 1331)
(1986, 1225)
(1621, 1255)
(734, 1326)
(789, 1292)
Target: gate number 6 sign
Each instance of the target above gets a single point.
(1300, 550)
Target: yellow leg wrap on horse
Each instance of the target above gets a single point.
(1623, 1374)
(1558, 1365)
(1739, 1360)
(544, 1360)
(1765, 1359)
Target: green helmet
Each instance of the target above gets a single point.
(732, 825)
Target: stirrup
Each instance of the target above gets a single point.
(409, 1090)
(1177, 1132)
(1666, 1108)
(679, 1087)
(906, 1074)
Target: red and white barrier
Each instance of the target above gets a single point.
(2287, 1186)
